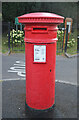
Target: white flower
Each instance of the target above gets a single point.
(15, 40)
(62, 31)
(73, 39)
(13, 35)
(13, 30)
(17, 35)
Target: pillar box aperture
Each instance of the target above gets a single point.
(40, 56)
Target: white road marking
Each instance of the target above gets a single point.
(18, 68)
(65, 82)
(59, 81)
(20, 65)
(22, 74)
(13, 79)
(20, 62)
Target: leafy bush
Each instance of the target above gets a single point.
(60, 35)
(17, 36)
(71, 43)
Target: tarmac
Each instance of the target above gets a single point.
(13, 104)
(13, 93)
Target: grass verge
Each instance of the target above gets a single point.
(72, 50)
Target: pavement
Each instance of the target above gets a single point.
(13, 89)
(70, 56)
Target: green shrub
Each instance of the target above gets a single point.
(60, 35)
(18, 36)
(71, 43)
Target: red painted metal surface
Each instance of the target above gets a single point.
(41, 17)
(40, 29)
(40, 78)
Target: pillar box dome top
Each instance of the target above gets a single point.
(40, 17)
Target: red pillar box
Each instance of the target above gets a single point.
(40, 56)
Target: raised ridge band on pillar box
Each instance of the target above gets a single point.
(40, 56)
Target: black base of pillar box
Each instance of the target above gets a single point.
(31, 112)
